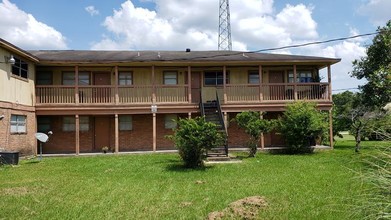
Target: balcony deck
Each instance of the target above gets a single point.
(177, 95)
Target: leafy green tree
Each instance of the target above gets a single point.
(376, 69)
(193, 138)
(254, 126)
(300, 125)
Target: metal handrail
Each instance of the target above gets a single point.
(223, 123)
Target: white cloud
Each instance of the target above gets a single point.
(91, 10)
(377, 10)
(24, 30)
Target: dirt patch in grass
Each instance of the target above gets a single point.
(16, 191)
(247, 208)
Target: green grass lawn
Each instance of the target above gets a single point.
(155, 186)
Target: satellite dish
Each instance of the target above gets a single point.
(42, 137)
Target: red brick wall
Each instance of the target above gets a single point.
(140, 138)
(24, 143)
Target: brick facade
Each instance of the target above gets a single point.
(22, 142)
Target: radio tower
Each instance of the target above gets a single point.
(225, 42)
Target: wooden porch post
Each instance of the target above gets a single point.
(189, 115)
(226, 121)
(116, 133)
(153, 85)
(224, 83)
(116, 85)
(262, 138)
(331, 128)
(189, 83)
(260, 83)
(77, 133)
(329, 81)
(154, 132)
(77, 85)
(295, 81)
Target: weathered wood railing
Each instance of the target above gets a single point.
(234, 93)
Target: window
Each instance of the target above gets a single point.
(18, 124)
(20, 68)
(125, 78)
(170, 121)
(69, 123)
(44, 78)
(214, 78)
(43, 124)
(170, 78)
(125, 123)
(68, 78)
(253, 77)
(302, 76)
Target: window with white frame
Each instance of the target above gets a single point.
(20, 68)
(253, 77)
(18, 124)
(214, 78)
(302, 76)
(170, 121)
(170, 77)
(125, 123)
(125, 78)
(69, 123)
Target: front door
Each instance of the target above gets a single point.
(195, 87)
(102, 94)
(102, 132)
(277, 92)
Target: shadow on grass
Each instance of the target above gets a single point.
(179, 167)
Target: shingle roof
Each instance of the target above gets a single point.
(91, 56)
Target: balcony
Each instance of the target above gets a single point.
(179, 94)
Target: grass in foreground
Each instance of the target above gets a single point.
(155, 186)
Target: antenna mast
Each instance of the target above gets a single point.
(225, 42)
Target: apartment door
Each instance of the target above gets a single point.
(196, 87)
(277, 92)
(102, 94)
(101, 132)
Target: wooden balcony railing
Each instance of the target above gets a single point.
(143, 94)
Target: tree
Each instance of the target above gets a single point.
(343, 104)
(254, 126)
(376, 69)
(193, 138)
(300, 125)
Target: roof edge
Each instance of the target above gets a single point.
(7, 45)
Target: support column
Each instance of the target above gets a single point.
(262, 137)
(189, 83)
(331, 128)
(329, 81)
(77, 133)
(226, 121)
(260, 83)
(224, 83)
(116, 134)
(77, 85)
(154, 132)
(295, 81)
(189, 115)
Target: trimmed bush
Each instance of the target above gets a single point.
(300, 125)
(193, 138)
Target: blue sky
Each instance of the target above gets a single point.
(180, 24)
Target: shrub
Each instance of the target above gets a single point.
(253, 125)
(300, 125)
(193, 138)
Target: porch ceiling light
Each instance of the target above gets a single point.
(153, 108)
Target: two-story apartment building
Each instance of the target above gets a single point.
(127, 100)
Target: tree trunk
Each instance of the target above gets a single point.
(358, 141)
